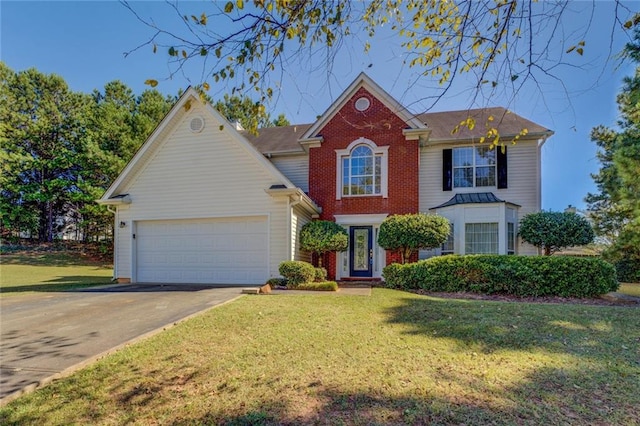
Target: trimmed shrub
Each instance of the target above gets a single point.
(319, 286)
(515, 275)
(409, 233)
(553, 231)
(297, 272)
(322, 236)
(277, 282)
(321, 274)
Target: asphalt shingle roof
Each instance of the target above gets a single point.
(271, 140)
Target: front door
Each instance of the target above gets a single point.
(361, 251)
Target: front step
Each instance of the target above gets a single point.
(359, 282)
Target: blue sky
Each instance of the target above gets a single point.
(84, 42)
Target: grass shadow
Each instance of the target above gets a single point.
(51, 259)
(487, 326)
(58, 285)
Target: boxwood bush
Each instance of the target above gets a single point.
(514, 275)
(297, 272)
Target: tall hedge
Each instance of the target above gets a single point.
(501, 274)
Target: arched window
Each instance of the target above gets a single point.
(362, 169)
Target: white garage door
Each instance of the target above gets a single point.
(209, 251)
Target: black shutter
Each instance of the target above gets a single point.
(502, 166)
(447, 169)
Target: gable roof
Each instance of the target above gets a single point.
(363, 80)
(179, 109)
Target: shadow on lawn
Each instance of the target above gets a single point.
(59, 284)
(549, 396)
(51, 259)
(89, 284)
(486, 326)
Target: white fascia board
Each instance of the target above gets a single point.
(308, 143)
(306, 201)
(116, 201)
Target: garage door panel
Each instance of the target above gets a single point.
(216, 251)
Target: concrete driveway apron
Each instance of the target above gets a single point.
(46, 334)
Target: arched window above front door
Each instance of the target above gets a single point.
(361, 170)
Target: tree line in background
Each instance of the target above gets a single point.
(60, 149)
(615, 208)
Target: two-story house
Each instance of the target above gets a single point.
(204, 202)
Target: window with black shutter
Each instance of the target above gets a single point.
(502, 167)
(447, 169)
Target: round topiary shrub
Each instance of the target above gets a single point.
(297, 272)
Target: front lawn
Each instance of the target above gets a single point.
(632, 289)
(392, 358)
(49, 271)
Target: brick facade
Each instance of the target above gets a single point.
(382, 126)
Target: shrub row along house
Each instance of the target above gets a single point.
(204, 202)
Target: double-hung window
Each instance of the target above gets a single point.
(474, 167)
(362, 170)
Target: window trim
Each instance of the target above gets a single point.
(513, 238)
(451, 240)
(474, 167)
(377, 151)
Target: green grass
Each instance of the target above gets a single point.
(392, 358)
(55, 271)
(630, 289)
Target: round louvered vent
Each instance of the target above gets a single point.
(362, 104)
(197, 124)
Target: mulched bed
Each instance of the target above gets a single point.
(507, 298)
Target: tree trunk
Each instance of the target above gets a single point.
(547, 250)
(49, 222)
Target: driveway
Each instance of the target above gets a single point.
(48, 335)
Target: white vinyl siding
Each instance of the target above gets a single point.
(294, 167)
(523, 175)
(203, 175)
(299, 219)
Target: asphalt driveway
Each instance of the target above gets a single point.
(48, 335)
